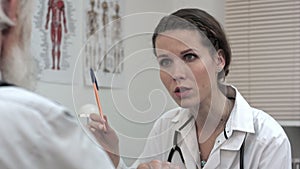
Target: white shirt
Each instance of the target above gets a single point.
(39, 134)
(266, 144)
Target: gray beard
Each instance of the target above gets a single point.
(17, 68)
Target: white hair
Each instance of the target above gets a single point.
(16, 63)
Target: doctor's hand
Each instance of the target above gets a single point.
(156, 164)
(105, 136)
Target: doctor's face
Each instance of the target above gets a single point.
(187, 68)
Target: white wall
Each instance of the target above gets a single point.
(142, 85)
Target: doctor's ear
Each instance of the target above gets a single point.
(220, 60)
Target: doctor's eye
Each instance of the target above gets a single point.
(189, 57)
(165, 62)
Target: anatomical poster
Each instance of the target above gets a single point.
(56, 38)
(103, 47)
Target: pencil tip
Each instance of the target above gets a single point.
(92, 75)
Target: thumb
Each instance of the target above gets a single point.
(106, 122)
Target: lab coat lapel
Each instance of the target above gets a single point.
(230, 153)
(187, 139)
(190, 147)
(214, 160)
(235, 142)
(230, 150)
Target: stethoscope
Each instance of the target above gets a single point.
(177, 148)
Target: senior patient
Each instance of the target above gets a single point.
(36, 133)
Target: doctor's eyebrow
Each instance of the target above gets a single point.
(162, 56)
(186, 51)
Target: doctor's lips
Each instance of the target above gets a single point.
(182, 91)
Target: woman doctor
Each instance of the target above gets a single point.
(214, 127)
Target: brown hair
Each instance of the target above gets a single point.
(205, 24)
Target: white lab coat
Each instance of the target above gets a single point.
(266, 145)
(37, 133)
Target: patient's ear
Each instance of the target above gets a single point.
(9, 35)
(10, 8)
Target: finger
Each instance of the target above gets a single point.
(174, 167)
(97, 127)
(92, 129)
(105, 119)
(102, 127)
(106, 126)
(95, 117)
(98, 118)
(143, 166)
(168, 165)
(95, 124)
(155, 164)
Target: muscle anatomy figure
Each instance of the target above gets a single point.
(57, 10)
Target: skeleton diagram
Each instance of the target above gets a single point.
(116, 38)
(108, 61)
(57, 10)
(93, 50)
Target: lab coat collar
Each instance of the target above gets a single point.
(180, 119)
(239, 123)
(241, 117)
(178, 115)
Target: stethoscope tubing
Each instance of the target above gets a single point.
(177, 148)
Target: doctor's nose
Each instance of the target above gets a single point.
(179, 72)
